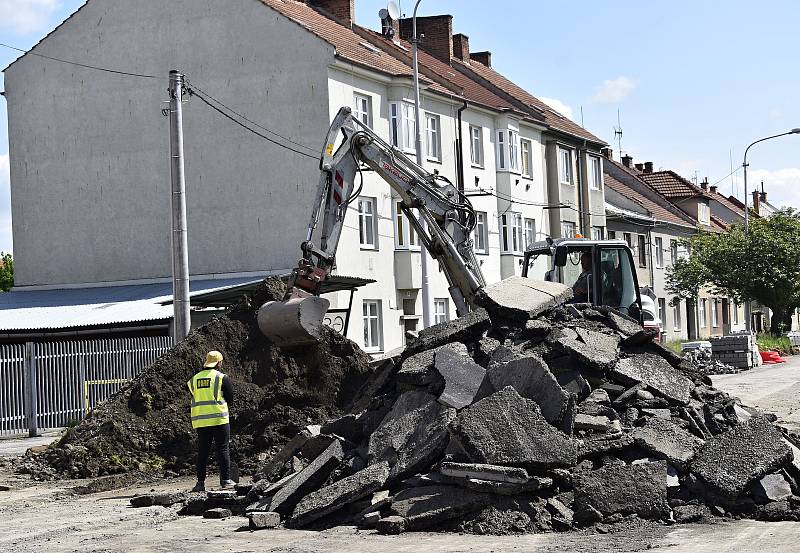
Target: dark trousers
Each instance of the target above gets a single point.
(221, 435)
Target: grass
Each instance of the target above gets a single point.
(675, 345)
(776, 343)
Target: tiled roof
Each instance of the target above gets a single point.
(552, 118)
(726, 202)
(659, 212)
(670, 184)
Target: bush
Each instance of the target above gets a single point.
(772, 342)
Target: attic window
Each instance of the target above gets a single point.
(399, 45)
(370, 47)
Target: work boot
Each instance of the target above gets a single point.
(199, 487)
(224, 484)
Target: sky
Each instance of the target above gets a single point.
(691, 83)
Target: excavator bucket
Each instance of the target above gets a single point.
(296, 321)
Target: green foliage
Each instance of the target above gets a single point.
(675, 345)
(763, 265)
(6, 271)
(773, 342)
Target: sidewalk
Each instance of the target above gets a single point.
(18, 445)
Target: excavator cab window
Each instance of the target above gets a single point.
(617, 281)
(576, 273)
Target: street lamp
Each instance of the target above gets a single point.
(747, 322)
(425, 256)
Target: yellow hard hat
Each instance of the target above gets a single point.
(213, 358)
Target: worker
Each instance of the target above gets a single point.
(580, 290)
(212, 396)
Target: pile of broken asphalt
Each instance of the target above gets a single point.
(527, 415)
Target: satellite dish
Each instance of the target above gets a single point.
(394, 11)
(383, 13)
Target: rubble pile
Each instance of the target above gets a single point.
(705, 361)
(527, 415)
(146, 427)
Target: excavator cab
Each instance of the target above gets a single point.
(600, 272)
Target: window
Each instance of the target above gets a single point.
(662, 311)
(736, 313)
(659, 252)
(441, 313)
(701, 314)
(433, 145)
(402, 125)
(673, 251)
(703, 214)
(565, 166)
(714, 316)
(612, 235)
(595, 173)
(628, 240)
(372, 325)
(525, 153)
(511, 233)
(513, 150)
(362, 110)
(567, 229)
(481, 233)
(367, 223)
(642, 247)
(676, 317)
(501, 149)
(404, 236)
(476, 145)
(530, 232)
(597, 233)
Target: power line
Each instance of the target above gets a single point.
(84, 65)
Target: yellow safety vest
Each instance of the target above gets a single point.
(208, 406)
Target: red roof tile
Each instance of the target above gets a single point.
(670, 184)
(659, 212)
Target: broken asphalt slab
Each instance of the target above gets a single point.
(626, 489)
(667, 441)
(431, 505)
(657, 374)
(462, 329)
(462, 378)
(520, 298)
(420, 370)
(307, 480)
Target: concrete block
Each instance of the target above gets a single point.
(591, 423)
(462, 378)
(391, 526)
(657, 374)
(219, 512)
(483, 471)
(420, 370)
(772, 487)
(667, 441)
(326, 500)
(520, 298)
(264, 519)
(628, 489)
(507, 429)
(413, 435)
(307, 480)
(732, 461)
(428, 506)
(463, 329)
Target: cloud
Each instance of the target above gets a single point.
(5, 207)
(782, 185)
(23, 17)
(559, 106)
(613, 91)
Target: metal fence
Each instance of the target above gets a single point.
(52, 384)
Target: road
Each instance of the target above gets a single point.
(47, 517)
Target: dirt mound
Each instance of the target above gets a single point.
(146, 426)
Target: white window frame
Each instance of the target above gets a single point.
(367, 219)
(735, 313)
(476, 145)
(402, 126)
(659, 246)
(703, 213)
(662, 311)
(525, 149)
(673, 251)
(480, 237)
(433, 137)
(714, 315)
(676, 317)
(597, 233)
(565, 166)
(568, 229)
(405, 238)
(362, 108)
(441, 310)
(502, 148)
(641, 249)
(513, 150)
(701, 313)
(373, 335)
(530, 232)
(511, 239)
(628, 238)
(595, 173)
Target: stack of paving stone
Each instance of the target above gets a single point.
(530, 414)
(737, 350)
(705, 361)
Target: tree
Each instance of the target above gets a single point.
(6, 271)
(763, 265)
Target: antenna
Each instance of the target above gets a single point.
(394, 11)
(582, 125)
(388, 15)
(618, 134)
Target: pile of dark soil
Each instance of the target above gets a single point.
(146, 427)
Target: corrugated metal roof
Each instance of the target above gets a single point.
(96, 306)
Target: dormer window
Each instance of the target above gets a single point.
(703, 213)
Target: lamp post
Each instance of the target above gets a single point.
(745, 165)
(425, 256)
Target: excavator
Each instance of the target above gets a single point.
(441, 215)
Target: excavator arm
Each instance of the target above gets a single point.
(442, 217)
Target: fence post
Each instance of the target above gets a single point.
(82, 390)
(31, 407)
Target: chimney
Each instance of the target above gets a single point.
(608, 153)
(343, 11)
(756, 202)
(461, 46)
(627, 161)
(713, 188)
(639, 167)
(438, 31)
(482, 57)
(763, 194)
(704, 184)
(648, 166)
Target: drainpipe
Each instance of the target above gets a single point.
(579, 188)
(460, 151)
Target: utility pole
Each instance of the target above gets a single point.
(180, 250)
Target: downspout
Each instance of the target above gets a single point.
(579, 188)
(460, 150)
